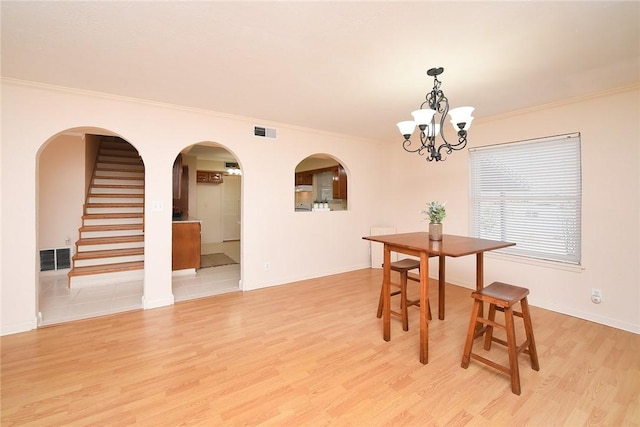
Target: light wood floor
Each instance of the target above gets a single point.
(307, 354)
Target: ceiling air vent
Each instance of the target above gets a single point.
(265, 132)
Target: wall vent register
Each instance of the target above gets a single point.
(55, 259)
(265, 132)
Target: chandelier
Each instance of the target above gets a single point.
(425, 118)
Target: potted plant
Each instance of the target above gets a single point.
(435, 212)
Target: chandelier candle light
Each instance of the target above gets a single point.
(425, 118)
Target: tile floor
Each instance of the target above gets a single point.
(58, 303)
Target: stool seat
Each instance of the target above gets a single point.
(403, 267)
(406, 264)
(501, 297)
(501, 294)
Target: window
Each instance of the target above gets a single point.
(530, 193)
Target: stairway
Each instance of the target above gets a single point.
(110, 248)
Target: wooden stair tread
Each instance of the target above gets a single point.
(133, 186)
(107, 240)
(118, 152)
(112, 215)
(116, 195)
(117, 164)
(108, 253)
(111, 227)
(115, 177)
(114, 205)
(106, 268)
(138, 169)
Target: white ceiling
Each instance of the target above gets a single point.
(349, 67)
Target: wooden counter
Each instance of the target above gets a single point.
(186, 244)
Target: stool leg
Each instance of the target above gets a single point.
(512, 348)
(380, 302)
(468, 345)
(403, 302)
(489, 331)
(528, 327)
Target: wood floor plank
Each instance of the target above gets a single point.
(310, 353)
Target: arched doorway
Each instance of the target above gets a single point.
(207, 206)
(90, 232)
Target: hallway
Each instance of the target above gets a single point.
(59, 304)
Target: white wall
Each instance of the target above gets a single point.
(297, 245)
(387, 186)
(610, 135)
(61, 191)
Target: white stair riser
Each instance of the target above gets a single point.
(117, 190)
(109, 260)
(110, 246)
(111, 155)
(128, 167)
(116, 181)
(113, 221)
(109, 158)
(117, 149)
(134, 198)
(105, 278)
(110, 233)
(114, 210)
(115, 174)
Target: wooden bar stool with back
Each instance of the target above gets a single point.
(501, 297)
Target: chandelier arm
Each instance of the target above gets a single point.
(462, 142)
(406, 144)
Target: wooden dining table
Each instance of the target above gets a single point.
(418, 244)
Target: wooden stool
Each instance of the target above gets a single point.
(501, 297)
(403, 267)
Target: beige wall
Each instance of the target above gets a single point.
(61, 190)
(387, 187)
(610, 135)
(271, 231)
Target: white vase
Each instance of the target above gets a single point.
(435, 231)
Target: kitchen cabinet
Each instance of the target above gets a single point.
(209, 177)
(304, 178)
(339, 183)
(185, 245)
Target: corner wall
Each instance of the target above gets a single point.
(297, 245)
(610, 149)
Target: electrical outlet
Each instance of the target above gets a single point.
(267, 266)
(157, 206)
(596, 296)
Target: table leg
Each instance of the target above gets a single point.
(386, 298)
(441, 287)
(424, 317)
(480, 278)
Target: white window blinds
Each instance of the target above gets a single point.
(530, 193)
